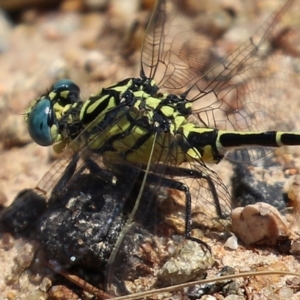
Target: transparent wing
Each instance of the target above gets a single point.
(210, 200)
(243, 91)
(165, 54)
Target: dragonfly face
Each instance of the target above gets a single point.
(44, 115)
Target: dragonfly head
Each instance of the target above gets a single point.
(44, 114)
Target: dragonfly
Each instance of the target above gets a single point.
(167, 125)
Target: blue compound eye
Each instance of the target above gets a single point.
(66, 90)
(40, 121)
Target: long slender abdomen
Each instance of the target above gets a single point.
(266, 139)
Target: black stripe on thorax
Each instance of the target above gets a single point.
(101, 107)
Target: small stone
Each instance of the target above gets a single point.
(232, 243)
(259, 224)
(46, 284)
(62, 292)
(189, 263)
(295, 247)
(11, 296)
(285, 292)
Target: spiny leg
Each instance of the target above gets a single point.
(185, 172)
(153, 178)
(70, 172)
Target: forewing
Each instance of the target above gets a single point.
(249, 89)
(243, 91)
(172, 54)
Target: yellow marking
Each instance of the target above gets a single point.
(64, 94)
(194, 153)
(60, 110)
(152, 102)
(95, 104)
(141, 94)
(59, 147)
(160, 153)
(122, 88)
(97, 141)
(188, 105)
(278, 138)
(218, 143)
(54, 133)
(178, 122)
(190, 127)
(208, 154)
(116, 87)
(52, 95)
(168, 111)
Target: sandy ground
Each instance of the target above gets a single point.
(96, 48)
